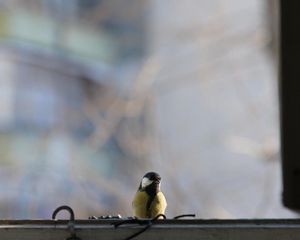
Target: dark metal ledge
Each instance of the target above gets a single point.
(163, 229)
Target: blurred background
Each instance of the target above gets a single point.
(95, 93)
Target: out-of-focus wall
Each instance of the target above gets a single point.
(216, 108)
(67, 134)
(93, 94)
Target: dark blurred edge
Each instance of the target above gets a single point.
(289, 87)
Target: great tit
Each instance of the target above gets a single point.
(149, 201)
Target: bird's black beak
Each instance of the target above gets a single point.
(157, 181)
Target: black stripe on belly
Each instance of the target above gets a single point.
(151, 190)
(150, 200)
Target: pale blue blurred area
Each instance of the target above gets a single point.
(94, 93)
(61, 109)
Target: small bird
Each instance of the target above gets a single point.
(149, 201)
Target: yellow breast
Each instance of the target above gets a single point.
(139, 204)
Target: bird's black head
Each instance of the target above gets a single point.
(150, 180)
(153, 176)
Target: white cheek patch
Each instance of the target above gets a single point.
(146, 182)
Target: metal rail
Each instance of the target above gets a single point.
(162, 229)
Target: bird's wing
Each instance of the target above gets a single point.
(139, 204)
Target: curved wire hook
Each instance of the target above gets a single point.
(64, 207)
(71, 223)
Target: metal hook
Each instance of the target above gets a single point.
(64, 207)
(71, 223)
